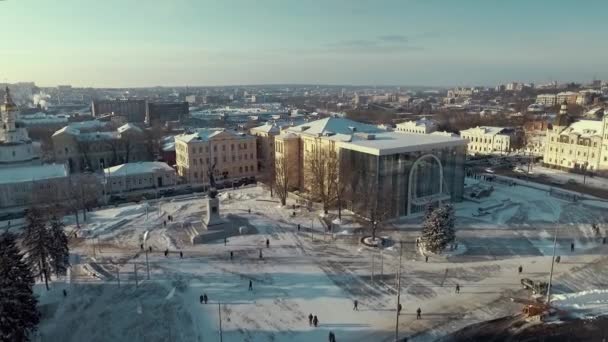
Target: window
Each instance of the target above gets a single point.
(200, 150)
(233, 157)
(231, 147)
(240, 169)
(246, 168)
(251, 155)
(223, 147)
(196, 175)
(224, 158)
(214, 148)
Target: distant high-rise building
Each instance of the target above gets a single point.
(133, 110)
(161, 112)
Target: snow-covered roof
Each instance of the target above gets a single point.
(446, 134)
(584, 128)
(128, 127)
(386, 143)
(489, 130)
(206, 134)
(32, 173)
(267, 128)
(421, 122)
(137, 168)
(333, 126)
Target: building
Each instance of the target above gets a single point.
(138, 176)
(547, 100)
(158, 113)
(133, 110)
(388, 174)
(93, 147)
(16, 147)
(568, 97)
(233, 154)
(578, 146)
(492, 140)
(422, 126)
(265, 135)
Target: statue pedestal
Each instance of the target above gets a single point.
(213, 226)
(213, 221)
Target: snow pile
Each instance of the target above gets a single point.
(592, 301)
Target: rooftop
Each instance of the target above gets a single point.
(137, 168)
(387, 143)
(206, 134)
(333, 125)
(32, 173)
(584, 128)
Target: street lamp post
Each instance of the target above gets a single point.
(552, 265)
(398, 291)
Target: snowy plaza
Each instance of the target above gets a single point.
(117, 291)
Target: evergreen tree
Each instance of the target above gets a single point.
(59, 252)
(18, 312)
(38, 244)
(438, 228)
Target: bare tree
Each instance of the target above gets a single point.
(282, 179)
(322, 175)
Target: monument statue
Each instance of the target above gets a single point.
(212, 192)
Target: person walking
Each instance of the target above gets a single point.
(267, 243)
(332, 337)
(457, 288)
(310, 319)
(201, 299)
(150, 249)
(250, 285)
(231, 255)
(141, 246)
(181, 254)
(426, 258)
(205, 298)
(65, 293)
(225, 241)
(298, 227)
(261, 254)
(572, 247)
(520, 269)
(315, 321)
(418, 314)
(356, 305)
(399, 307)
(166, 252)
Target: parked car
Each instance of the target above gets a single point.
(571, 181)
(537, 287)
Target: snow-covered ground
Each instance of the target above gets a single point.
(308, 271)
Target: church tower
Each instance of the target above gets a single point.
(9, 119)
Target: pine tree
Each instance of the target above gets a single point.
(18, 312)
(59, 252)
(38, 244)
(438, 228)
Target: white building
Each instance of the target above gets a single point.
(422, 126)
(137, 176)
(28, 185)
(16, 147)
(492, 140)
(548, 100)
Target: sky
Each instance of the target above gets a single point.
(130, 43)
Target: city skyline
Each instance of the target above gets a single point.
(185, 42)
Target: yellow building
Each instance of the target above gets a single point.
(265, 135)
(233, 153)
(580, 145)
(400, 172)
